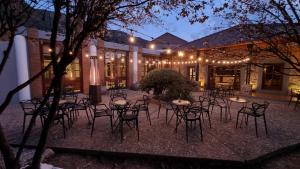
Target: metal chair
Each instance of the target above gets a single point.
(143, 106)
(128, 115)
(101, 110)
(257, 110)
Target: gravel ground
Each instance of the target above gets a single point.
(72, 161)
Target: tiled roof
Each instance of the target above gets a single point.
(228, 36)
(168, 40)
(238, 34)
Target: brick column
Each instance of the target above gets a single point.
(140, 64)
(34, 61)
(130, 66)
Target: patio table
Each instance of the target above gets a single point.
(122, 106)
(182, 106)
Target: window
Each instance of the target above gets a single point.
(272, 78)
(115, 68)
(72, 78)
(192, 73)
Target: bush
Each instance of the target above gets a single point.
(168, 85)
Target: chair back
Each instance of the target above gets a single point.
(27, 106)
(205, 103)
(260, 109)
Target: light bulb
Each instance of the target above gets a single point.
(152, 46)
(132, 39)
(169, 51)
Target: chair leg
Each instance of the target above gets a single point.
(87, 115)
(237, 119)
(148, 114)
(221, 114)
(63, 125)
(266, 128)
(111, 124)
(159, 107)
(296, 104)
(137, 128)
(167, 116)
(42, 122)
(209, 119)
(24, 122)
(291, 98)
(200, 126)
(186, 131)
(255, 120)
(121, 130)
(93, 126)
(176, 124)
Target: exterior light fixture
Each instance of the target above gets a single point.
(130, 60)
(140, 61)
(50, 50)
(122, 60)
(70, 53)
(100, 57)
(206, 60)
(191, 57)
(86, 55)
(199, 59)
(180, 53)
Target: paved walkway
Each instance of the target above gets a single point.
(223, 141)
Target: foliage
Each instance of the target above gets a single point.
(275, 23)
(168, 84)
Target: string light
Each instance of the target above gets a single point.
(132, 39)
(199, 59)
(206, 60)
(213, 61)
(191, 57)
(147, 62)
(122, 60)
(169, 51)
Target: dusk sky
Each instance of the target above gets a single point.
(182, 28)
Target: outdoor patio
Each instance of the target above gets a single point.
(221, 142)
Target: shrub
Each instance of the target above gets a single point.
(168, 84)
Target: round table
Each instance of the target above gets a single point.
(180, 102)
(120, 102)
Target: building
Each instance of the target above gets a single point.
(120, 63)
(223, 59)
(219, 59)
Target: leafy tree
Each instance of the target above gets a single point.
(168, 84)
